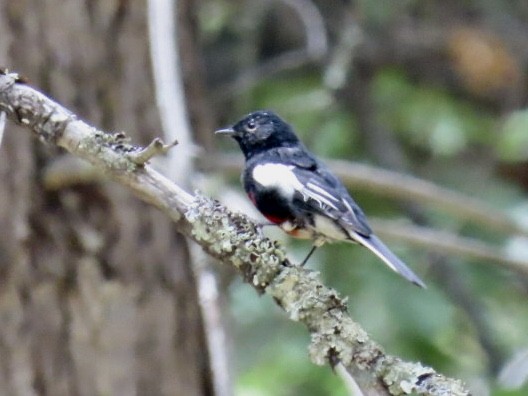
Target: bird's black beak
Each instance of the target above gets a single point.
(225, 131)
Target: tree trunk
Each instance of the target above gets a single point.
(97, 293)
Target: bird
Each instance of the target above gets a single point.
(295, 190)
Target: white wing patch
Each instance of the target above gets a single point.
(282, 177)
(277, 176)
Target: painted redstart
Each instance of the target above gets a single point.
(297, 192)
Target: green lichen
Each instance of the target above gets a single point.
(233, 236)
(299, 292)
(110, 148)
(404, 378)
(337, 336)
(334, 335)
(401, 377)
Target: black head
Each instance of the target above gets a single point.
(260, 131)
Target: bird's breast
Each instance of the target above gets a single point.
(273, 205)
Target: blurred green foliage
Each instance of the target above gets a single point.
(448, 135)
(513, 143)
(428, 116)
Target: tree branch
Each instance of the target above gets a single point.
(398, 185)
(233, 239)
(313, 50)
(445, 242)
(170, 98)
(2, 126)
(168, 23)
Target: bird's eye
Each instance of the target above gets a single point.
(251, 126)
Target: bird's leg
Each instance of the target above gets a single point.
(260, 226)
(309, 255)
(266, 224)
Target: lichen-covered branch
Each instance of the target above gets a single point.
(447, 243)
(236, 241)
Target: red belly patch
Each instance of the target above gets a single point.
(274, 219)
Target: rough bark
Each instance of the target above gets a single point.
(97, 295)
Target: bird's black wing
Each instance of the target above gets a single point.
(318, 191)
(322, 192)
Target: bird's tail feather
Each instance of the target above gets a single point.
(374, 244)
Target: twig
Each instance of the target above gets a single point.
(515, 371)
(169, 90)
(399, 185)
(450, 277)
(156, 147)
(217, 334)
(67, 170)
(234, 240)
(349, 381)
(314, 49)
(314, 27)
(165, 17)
(448, 243)
(2, 126)
(339, 65)
(289, 60)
